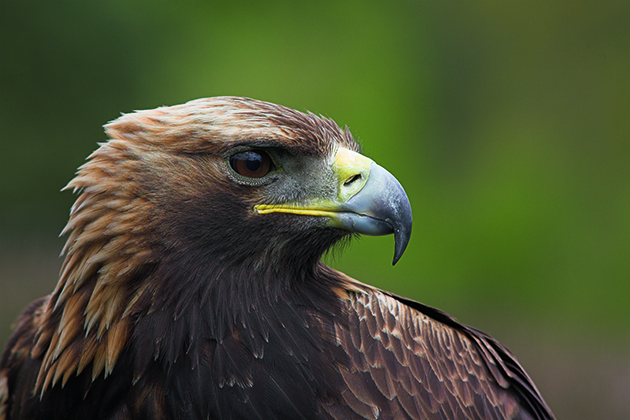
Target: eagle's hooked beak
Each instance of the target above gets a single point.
(369, 201)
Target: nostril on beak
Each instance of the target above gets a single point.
(353, 178)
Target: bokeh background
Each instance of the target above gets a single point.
(507, 123)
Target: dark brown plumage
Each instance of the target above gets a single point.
(192, 287)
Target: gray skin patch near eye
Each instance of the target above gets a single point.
(301, 180)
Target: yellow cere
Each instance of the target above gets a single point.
(348, 165)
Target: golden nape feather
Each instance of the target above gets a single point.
(193, 287)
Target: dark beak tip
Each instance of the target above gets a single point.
(402, 228)
(401, 240)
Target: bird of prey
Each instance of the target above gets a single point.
(192, 286)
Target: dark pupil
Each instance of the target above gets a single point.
(253, 161)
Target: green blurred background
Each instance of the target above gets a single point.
(507, 123)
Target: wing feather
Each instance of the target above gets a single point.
(409, 361)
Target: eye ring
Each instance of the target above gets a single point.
(251, 163)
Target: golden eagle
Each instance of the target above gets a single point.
(192, 286)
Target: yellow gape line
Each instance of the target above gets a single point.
(283, 208)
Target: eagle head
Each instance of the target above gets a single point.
(245, 182)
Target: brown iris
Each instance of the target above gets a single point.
(251, 164)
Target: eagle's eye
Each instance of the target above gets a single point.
(251, 163)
